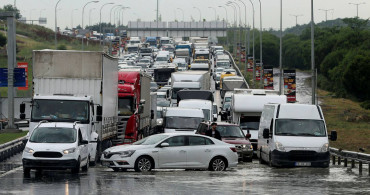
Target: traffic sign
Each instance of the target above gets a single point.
(19, 77)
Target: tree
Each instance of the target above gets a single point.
(8, 8)
(2, 40)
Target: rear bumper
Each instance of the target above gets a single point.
(290, 159)
(49, 164)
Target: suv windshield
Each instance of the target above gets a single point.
(150, 140)
(53, 135)
(178, 122)
(230, 131)
(300, 127)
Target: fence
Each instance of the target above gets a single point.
(344, 156)
(9, 149)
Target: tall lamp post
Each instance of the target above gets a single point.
(313, 56)
(214, 9)
(235, 24)
(82, 24)
(240, 22)
(110, 17)
(182, 13)
(326, 13)
(261, 61)
(100, 22)
(296, 18)
(254, 60)
(225, 12)
(245, 41)
(200, 14)
(123, 9)
(56, 26)
(281, 50)
(115, 11)
(357, 4)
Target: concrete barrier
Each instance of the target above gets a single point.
(11, 148)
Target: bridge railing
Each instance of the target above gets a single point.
(235, 66)
(11, 148)
(345, 156)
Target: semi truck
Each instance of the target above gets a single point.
(152, 41)
(76, 87)
(134, 106)
(162, 74)
(195, 80)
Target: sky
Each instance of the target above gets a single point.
(70, 11)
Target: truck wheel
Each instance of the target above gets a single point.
(115, 169)
(86, 167)
(246, 159)
(270, 161)
(76, 169)
(26, 171)
(260, 160)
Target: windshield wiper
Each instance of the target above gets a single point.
(289, 134)
(306, 134)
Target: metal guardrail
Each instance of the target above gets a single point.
(239, 73)
(344, 156)
(11, 148)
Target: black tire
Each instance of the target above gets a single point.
(86, 167)
(115, 169)
(217, 164)
(26, 171)
(270, 161)
(260, 160)
(143, 164)
(247, 159)
(76, 169)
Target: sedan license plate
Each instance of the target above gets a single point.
(105, 163)
(303, 164)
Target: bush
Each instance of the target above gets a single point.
(62, 47)
(365, 105)
(2, 40)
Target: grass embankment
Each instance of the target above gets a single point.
(6, 137)
(35, 37)
(350, 121)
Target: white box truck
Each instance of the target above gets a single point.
(294, 135)
(194, 80)
(247, 106)
(76, 87)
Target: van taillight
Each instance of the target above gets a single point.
(233, 149)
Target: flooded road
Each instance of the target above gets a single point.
(247, 178)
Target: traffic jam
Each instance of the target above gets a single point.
(162, 103)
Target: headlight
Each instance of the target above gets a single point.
(127, 153)
(279, 146)
(244, 146)
(28, 150)
(68, 151)
(325, 148)
(251, 147)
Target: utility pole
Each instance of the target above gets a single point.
(157, 12)
(296, 18)
(326, 13)
(56, 26)
(11, 47)
(281, 50)
(357, 4)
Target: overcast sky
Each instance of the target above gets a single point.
(145, 10)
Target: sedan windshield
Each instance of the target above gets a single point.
(300, 127)
(177, 122)
(53, 135)
(151, 140)
(230, 131)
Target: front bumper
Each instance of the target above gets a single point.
(294, 157)
(116, 161)
(244, 152)
(49, 164)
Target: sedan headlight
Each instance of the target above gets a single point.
(68, 151)
(127, 153)
(279, 146)
(325, 148)
(244, 146)
(28, 150)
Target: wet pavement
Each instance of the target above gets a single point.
(247, 178)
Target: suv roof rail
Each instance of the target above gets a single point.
(43, 121)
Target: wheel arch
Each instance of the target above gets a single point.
(219, 156)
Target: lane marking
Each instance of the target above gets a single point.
(11, 171)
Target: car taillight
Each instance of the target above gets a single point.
(233, 149)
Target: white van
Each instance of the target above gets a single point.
(180, 120)
(294, 135)
(56, 146)
(205, 105)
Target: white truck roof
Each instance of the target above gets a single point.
(186, 112)
(254, 103)
(300, 111)
(193, 103)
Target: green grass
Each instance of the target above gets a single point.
(6, 137)
(350, 121)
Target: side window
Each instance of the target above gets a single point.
(209, 141)
(176, 141)
(196, 141)
(79, 137)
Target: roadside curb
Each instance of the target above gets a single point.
(11, 148)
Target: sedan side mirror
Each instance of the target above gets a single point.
(266, 133)
(248, 136)
(164, 144)
(333, 135)
(83, 142)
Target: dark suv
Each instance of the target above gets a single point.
(232, 134)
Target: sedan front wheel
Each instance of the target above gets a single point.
(143, 164)
(218, 164)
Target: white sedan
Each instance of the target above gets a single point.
(172, 151)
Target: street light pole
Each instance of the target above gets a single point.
(31, 15)
(240, 23)
(227, 37)
(254, 60)
(225, 12)
(326, 13)
(296, 18)
(357, 4)
(82, 27)
(261, 59)
(100, 22)
(110, 17)
(313, 56)
(214, 9)
(235, 24)
(281, 50)
(182, 13)
(200, 14)
(56, 26)
(246, 37)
